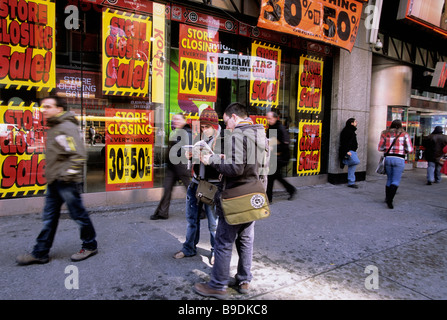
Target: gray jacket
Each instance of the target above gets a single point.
(65, 152)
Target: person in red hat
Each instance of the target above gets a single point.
(210, 134)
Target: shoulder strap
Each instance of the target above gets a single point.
(389, 149)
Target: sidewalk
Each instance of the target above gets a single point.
(330, 242)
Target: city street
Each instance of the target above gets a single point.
(330, 243)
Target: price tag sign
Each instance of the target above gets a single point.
(130, 165)
(333, 22)
(198, 78)
(198, 64)
(129, 149)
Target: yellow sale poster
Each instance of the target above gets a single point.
(126, 53)
(22, 156)
(27, 44)
(309, 148)
(310, 84)
(129, 149)
(264, 91)
(198, 64)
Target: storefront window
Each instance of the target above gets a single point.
(125, 70)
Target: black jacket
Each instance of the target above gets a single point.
(348, 141)
(282, 148)
(434, 144)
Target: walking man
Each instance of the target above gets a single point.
(281, 148)
(433, 145)
(65, 158)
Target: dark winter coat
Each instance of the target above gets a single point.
(348, 141)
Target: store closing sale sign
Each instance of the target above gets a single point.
(309, 148)
(126, 48)
(129, 149)
(310, 84)
(27, 50)
(264, 84)
(198, 64)
(22, 156)
(335, 22)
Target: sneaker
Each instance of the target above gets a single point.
(205, 290)
(28, 258)
(242, 288)
(179, 255)
(83, 254)
(353, 186)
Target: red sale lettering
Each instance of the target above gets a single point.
(23, 173)
(125, 75)
(308, 161)
(264, 90)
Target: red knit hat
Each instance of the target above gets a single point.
(209, 116)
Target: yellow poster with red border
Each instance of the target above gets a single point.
(310, 84)
(22, 151)
(333, 22)
(129, 149)
(198, 63)
(264, 91)
(126, 53)
(309, 148)
(27, 44)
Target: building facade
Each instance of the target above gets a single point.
(126, 67)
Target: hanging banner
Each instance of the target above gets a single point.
(125, 58)
(129, 149)
(198, 54)
(22, 156)
(310, 84)
(335, 22)
(264, 90)
(158, 54)
(28, 47)
(309, 148)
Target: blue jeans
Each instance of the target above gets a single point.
(243, 235)
(59, 192)
(394, 167)
(193, 220)
(352, 163)
(434, 172)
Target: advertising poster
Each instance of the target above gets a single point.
(198, 54)
(309, 148)
(22, 156)
(264, 90)
(333, 22)
(126, 53)
(158, 54)
(260, 120)
(310, 85)
(27, 44)
(129, 149)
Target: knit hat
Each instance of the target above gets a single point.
(209, 116)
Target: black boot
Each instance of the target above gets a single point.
(390, 197)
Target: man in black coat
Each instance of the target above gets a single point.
(174, 172)
(281, 148)
(433, 145)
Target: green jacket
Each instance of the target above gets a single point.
(65, 152)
